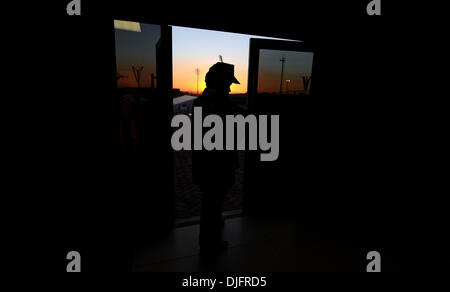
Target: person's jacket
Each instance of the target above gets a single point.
(215, 169)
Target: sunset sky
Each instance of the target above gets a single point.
(198, 48)
(297, 64)
(195, 48)
(192, 48)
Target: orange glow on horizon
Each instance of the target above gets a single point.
(185, 78)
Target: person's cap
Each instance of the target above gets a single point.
(223, 71)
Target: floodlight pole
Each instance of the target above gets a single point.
(197, 71)
(282, 60)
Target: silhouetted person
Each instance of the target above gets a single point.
(214, 171)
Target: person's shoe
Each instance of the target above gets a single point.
(213, 246)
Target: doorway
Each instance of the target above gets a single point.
(280, 83)
(161, 72)
(194, 52)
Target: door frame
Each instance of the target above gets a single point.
(251, 199)
(163, 58)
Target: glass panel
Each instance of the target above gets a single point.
(284, 72)
(136, 48)
(136, 58)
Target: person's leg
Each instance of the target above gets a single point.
(211, 217)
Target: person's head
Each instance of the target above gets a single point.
(220, 77)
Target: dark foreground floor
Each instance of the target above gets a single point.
(274, 244)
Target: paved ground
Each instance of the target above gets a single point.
(187, 194)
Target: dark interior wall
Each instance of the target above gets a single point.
(366, 129)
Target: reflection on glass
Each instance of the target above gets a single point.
(136, 55)
(284, 72)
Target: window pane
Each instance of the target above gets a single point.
(136, 47)
(136, 55)
(284, 72)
